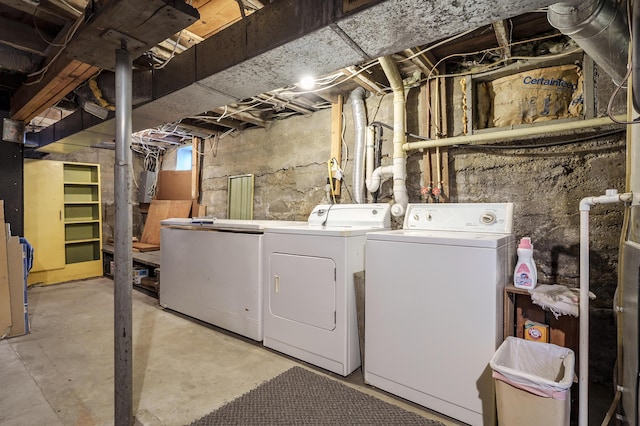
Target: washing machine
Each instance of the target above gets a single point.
(211, 270)
(309, 298)
(434, 306)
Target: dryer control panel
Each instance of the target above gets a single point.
(375, 215)
(494, 218)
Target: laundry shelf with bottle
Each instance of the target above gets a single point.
(518, 308)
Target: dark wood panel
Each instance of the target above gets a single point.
(11, 183)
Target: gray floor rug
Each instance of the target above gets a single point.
(301, 397)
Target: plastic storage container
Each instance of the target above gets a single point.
(533, 383)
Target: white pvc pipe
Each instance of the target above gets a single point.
(382, 172)
(505, 135)
(400, 195)
(583, 348)
(611, 196)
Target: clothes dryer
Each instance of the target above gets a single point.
(434, 306)
(309, 296)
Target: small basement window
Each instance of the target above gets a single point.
(183, 159)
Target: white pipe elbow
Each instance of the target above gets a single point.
(611, 196)
(382, 172)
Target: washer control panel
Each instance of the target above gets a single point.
(464, 217)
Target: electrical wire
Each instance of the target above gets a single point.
(44, 69)
(256, 103)
(213, 145)
(35, 26)
(387, 126)
(450, 39)
(331, 185)
(366, 67)
(492, 65)
(173, 52)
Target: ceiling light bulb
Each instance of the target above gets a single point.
(307, 83)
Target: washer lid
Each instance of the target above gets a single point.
(494, 218)
(448, 238)
(238, 225)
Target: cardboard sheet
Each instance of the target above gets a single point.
(160, 210)
(16, 287)
(5, 296)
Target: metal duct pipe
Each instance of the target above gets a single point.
(599, 27)
(400, 195)
(360, 124)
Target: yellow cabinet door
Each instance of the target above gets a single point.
(43, 213)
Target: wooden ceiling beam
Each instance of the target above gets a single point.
(215, 15)
(502, 35)
(61, 78)
(362, 80)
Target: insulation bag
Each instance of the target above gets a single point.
(537, 95)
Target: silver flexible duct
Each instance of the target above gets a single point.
(599, 27)
(360, 125)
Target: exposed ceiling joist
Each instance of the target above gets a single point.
(362, 80)
(288, 103)
(224, 70)
(502, 35)
(205, 127)
(20, 36)
(423, 60)
(41, 10)
(238, 114)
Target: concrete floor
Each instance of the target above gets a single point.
(62, 372)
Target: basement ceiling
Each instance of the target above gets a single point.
(46, 84)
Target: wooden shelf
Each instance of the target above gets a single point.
(64, 224)
(81, 173)
(518, 308)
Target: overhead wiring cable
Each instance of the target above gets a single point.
(44, 69)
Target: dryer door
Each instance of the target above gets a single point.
(303, 289)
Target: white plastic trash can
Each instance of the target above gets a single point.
(533, 383)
